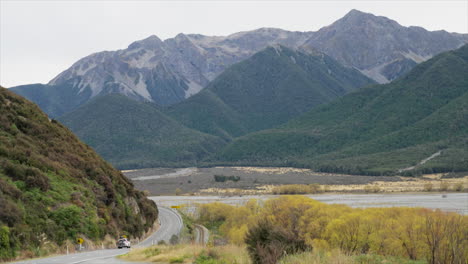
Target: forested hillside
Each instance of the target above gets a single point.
(54, 188)
(131, 134)
(266, 90)
(376, 130)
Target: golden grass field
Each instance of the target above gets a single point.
(426, 183)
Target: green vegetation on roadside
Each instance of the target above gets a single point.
(54, 188)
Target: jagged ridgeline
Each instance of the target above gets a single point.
(54, 188)
(169, 71)
(382, 129)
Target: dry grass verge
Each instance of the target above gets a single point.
(232, 254)
(229, 254)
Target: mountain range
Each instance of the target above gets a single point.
(263, 91)
(170, 71)
(266, 90)
(381, 129)
(273, 97)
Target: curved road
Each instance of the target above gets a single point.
(171, 224)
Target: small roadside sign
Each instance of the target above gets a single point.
(175, 206)
(79, 240)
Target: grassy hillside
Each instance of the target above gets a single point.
(131, 134)
(266, 90)
(376, 130)
(53, 188)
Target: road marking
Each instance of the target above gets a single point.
(81, 261)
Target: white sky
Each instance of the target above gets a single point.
(40, 39)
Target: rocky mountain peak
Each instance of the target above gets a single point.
(181, 37)
(379, 47)
(167, 72)
(359, 19)
(150, 42)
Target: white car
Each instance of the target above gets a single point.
(123, 243)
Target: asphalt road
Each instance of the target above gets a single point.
(171, 224)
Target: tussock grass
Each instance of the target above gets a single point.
(184, 253)
(317, 257)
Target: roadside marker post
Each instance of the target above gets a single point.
(80, 242)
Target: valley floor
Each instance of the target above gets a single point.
(227, 181)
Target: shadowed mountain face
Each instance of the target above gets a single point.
(266, 90)
(167, 72)
(261, 92)
(376, 130)
(54, 188)
(131, 134)
(380, 47)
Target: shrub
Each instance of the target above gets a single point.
(372, 189)
(428, 187)
(69, 218)
(177, 260)
(14, 170)
(36, 179)
(7, 248)
(296, 189)
(9, 212)
(267, 243)
(458, 187)
(222, 178)
(174, 240)
(444, 186)
(210, 257)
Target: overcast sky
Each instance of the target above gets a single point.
(40, 39)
